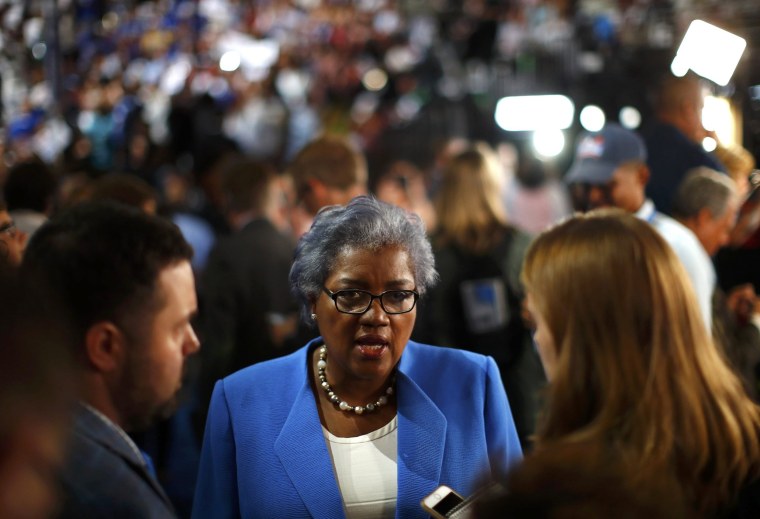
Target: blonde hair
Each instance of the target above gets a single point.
(469, 205)
(636, 368)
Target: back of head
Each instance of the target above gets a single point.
(125, 189)
(469, 204)
(636, 368)
(672, 91)
(331, 160)
(365, 223)
(703, 188)
(246, 185)
(103, 260)
(679, 102)
(580, 481)
(30, 185)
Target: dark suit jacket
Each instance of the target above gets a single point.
(245, 279)
(105, 477)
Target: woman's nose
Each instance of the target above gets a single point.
(375, 313)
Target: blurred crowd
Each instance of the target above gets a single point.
(241, 121)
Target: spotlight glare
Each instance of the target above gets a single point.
(230, 61)
(592, 118)
(528, 113)
(630, 117)
(375, 79)
(548, 143)
(709, 51)
(709, 144)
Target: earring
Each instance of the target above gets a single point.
(313, 317)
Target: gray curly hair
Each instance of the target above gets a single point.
(365, 223)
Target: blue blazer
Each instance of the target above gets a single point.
(264, 453)
(105, 478)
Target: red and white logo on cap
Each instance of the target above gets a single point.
(591, 147)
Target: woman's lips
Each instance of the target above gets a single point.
(372, 347)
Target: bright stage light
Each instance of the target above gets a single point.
(709, 51)
(630, 117)
(527, 113)
(592, 118)
(548, 143)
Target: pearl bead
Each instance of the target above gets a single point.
(335, 399)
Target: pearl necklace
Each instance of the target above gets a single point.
(342, 404)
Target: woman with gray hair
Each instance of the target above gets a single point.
(360, 422)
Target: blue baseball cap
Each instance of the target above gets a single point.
(599, 154)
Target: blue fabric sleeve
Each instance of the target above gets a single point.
(216, 493)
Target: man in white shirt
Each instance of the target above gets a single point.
(610, 170)
(707, 203)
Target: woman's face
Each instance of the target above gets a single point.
(543, 338)
(366, 346)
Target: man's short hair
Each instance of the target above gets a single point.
(331, 160)
(30, 185)
(703, 188)
(245, 184)
(671, 91)
(103, 260)
(124, 188)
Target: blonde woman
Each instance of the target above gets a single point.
(631, 368)
(477, 305)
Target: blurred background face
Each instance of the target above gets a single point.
(714, 233)
(12, 240)
(624, 190)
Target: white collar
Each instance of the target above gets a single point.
(647, 211)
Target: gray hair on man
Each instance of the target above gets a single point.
(703, 188)
(365, 223)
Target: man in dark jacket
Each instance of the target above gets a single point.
(127, 283)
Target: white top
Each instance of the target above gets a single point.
(366, 470)
(689, 250)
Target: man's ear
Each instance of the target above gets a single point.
(317, 189)
(704, 216)
(105, 346)
(643, 173)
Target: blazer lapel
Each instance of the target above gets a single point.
(303, 452)
(421, 443)
(90, 425)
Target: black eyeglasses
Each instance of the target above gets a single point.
(8, 228)
(357, 301)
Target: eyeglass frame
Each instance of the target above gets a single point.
(9, 228)
(334, 296)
